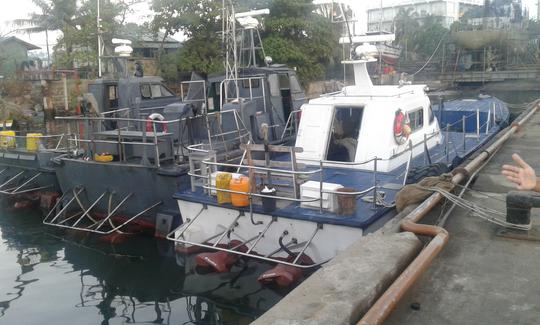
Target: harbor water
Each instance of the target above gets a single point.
(50, 277)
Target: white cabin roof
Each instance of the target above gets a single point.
(362, 95)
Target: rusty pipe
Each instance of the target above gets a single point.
(387, 302)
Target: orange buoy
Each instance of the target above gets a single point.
(239, 184)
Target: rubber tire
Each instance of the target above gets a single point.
(416, 174)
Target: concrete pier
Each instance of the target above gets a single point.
(481, 276)
(343, 289)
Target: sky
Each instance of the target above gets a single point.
(22, 8)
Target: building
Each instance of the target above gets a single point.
(14, 55)
(381, 17)
(147, 44)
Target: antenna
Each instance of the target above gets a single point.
(251, 24)
(348, 28)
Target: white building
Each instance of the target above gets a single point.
(447, 10)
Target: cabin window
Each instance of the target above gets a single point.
(112, 96)
(149, 91)
(431, 116)
(295, 85)
(284, 83)
(255, 83)
(344, 138)
(146, 93)
(274, 85)
(416, 118)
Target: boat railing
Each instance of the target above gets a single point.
(461, 125)
(291, 127)
(154, 143)
(185, 98)
(34, 142)
(224, 86)
(301, 175)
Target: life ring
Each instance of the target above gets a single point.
(150, 123)
(402, 127)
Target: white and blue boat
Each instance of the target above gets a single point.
(355, 149)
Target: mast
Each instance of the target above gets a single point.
(230, 44)
(99, 41)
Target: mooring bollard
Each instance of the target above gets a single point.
(519, 205)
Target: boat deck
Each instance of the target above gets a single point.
(366, 214)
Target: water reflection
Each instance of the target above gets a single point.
(52, 277)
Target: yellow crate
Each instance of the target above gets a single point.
(7, 139)
(33, 141)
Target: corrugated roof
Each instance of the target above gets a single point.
(29, 47)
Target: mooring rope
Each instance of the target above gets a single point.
(488, 214)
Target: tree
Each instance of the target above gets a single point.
(53, 15)
(295, 35)
(200, 21)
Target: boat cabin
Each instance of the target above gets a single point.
(264, 95)
(360, 124)
(142, 92)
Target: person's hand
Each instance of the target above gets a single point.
(522, 175)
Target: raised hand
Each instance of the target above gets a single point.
(522, 175)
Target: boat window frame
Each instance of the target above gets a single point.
(431, 115)
(251, 83)
(414, 127)
(150, 86)
(331, 131)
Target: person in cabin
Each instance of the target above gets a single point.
(522, 175)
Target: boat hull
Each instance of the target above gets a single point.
(28, 177)
(208, 221)
(145, 186)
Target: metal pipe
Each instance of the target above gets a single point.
(387, 302)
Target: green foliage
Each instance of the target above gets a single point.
(199, 21)
(418, 38)
(292, 34)
(298, 37)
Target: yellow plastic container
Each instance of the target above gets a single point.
(33, 141)
(223, 181)
(240, 184)
(103, 157)
(7, 139)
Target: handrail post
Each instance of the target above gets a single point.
(464, 129)
(156, 144)
(477, 123)
(375, 183)
(488, 120)
(321, 179)
(425, 150)
(446, 144)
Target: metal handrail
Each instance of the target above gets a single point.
(46, 136)
(227, 80)
(204, 99)
(292, 116)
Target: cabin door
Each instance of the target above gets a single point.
(344, 134)
(313, 131)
